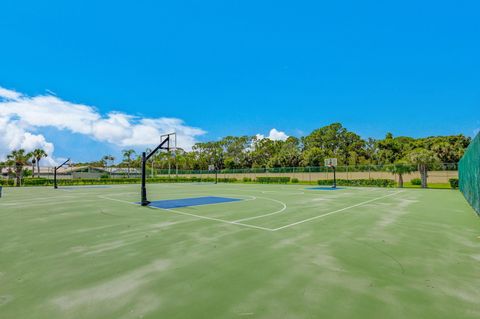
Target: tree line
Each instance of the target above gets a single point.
(18, 159)
(331, 141)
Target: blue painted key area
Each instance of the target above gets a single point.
(83, 187)
(195, 201)
(325, 188)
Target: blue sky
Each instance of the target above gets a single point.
(245, 67)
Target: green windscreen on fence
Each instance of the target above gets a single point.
(469, 174)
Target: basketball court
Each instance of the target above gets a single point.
(237, 250)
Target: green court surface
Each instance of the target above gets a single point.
(283, 251)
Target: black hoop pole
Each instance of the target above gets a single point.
(55, 186)
(334, 177)
(144, 201)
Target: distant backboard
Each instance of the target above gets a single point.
(331, 162)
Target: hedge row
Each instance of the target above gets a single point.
(110, 181)
(416, 181)
(262, 180)
(6, 182)
(359, 182)
(138, 180)
(273, 180)
(453, 183)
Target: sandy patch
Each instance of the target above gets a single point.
(5, 299)
(113, 293)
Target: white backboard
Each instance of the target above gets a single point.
(331, 162)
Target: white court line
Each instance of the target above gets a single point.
(336, 211)
(284, 193)
(35, 201)
(245, 200)
(259, 227)
(8, 204)
(216, 219)
(265, 215)
(119, 194)
(196, 193)
(200, 193)
(192, 215)
(30, 204)
(116, 200)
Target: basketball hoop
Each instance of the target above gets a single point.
(168, 142)
(212, 168)
(331, 162)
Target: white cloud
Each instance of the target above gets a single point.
(21, 116)
(277, 135)
(9, 94)
(14, 136)
(260, 136)
(274, 135)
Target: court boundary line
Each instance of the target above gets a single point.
(244, 200)
(265, 215)
(250, 198)
(260, 227)
(335, 211)
(193, 215)
(215, 219)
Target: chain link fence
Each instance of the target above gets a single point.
(469, 171)
(438, 173)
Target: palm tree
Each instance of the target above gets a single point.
(33, 165)
(38, 154)
(105, 161)
(127, 157)
(18, 159)
(423, 159)
(2, 166)
(400, 168)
